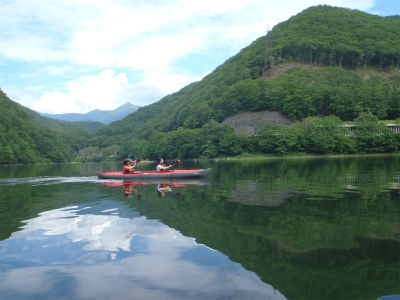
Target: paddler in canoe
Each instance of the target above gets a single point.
(130, 165)
(161, 166)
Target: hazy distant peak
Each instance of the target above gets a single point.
(103, 116)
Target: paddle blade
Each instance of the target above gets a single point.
(177, 162)
(138, 160)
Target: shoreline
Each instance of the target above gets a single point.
(303, 156)
(312, 156)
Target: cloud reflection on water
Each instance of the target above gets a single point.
(75, 253)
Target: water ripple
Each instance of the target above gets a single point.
(47, 180)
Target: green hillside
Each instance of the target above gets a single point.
(326, 61)
(75, 135)
(24, 141)
(338, 37)
(333, 86)
(61, 125)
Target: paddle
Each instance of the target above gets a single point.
(177, 163)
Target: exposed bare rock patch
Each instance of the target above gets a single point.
(365, 73)
(284, 67)
(247, 122)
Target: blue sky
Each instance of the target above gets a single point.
(78, 55)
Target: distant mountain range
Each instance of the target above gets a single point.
(102, 116)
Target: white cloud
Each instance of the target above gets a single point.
(143, 93)
(25, 96)
(158, 53)
(85, 94)
(59, 70)
(213, 6)
(205, 74)
(147, 37)
(106, 33)
(108, 90)
(245, 30)
(27, 47)
(105, 91)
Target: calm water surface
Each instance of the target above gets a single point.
(325, 228)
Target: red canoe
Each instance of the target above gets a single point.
(154, 174)
(180, 183)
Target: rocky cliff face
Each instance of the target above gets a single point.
(246, 123)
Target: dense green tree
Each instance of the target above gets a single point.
(370, 134)
(357, 39)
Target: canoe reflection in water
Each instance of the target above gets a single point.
(131, 187)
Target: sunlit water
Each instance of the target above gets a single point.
(323, 228)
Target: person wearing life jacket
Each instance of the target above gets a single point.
(128, 167)
(161, 166)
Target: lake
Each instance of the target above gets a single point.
(284, 228)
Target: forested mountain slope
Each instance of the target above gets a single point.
(24, 141)
(75, 135)
(61, 125)
(340, 37)
(337, 45)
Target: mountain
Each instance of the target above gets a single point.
(61, 125)
(325, 61)
(75, 135)
(103, 116)
(25, 141)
